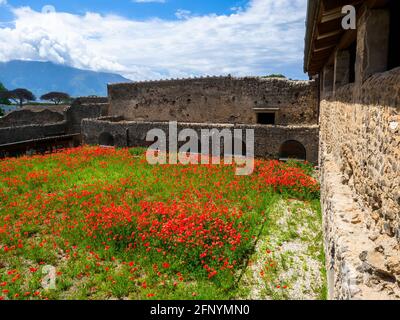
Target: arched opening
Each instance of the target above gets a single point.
(292, 149)
(106, 139)
(157, 145)
(239, 148)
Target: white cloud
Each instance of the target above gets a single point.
(183, 14)
(267, 36)
(237, 9)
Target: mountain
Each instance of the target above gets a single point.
(43, 77)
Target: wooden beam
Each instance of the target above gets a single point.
(332, 15)
(330, 26)
(334, 4)
(325, 48)
(347, 39)
(327, 41)
(329, 34)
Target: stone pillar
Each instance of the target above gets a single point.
(327, 82)
(342, 65)
(372, 43)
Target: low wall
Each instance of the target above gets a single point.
(268, 139)
(24, 133)
(360, 181)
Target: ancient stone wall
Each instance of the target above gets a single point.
(35, 122)
(360, 178)
(216, 100)
(30, 117)
(268, 139)
(29, 132)
(85, 108)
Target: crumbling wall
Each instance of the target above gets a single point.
(360, 181)
(29, 117)
(216, 100)
(45, 121)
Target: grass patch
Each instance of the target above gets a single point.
(115, 227)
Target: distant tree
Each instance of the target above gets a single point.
(1, 112)
(275, 75)
(3, 100)
(56, 97)
(19, 96)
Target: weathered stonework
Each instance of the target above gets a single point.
(212, 103)
(36, 122)
(29, 132)
(216, 100)
(28, 117)
(268, 139)
(85, 108)
(359, 144)
(360, 178)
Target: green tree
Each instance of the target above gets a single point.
(56, 97)
(20, 96)
(275, 75)
(3, 100)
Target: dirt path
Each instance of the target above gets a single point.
(288, 262)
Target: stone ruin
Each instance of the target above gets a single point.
(283, 113)
(359, 79)
(37, 129)
(347, 120)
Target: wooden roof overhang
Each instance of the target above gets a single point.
(325, 33)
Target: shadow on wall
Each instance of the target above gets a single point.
(106, 139)
(292, 149)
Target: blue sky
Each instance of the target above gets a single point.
(151, 39)
(136, 10)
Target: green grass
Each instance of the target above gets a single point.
(115, 227)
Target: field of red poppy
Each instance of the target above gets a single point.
(114, 227)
